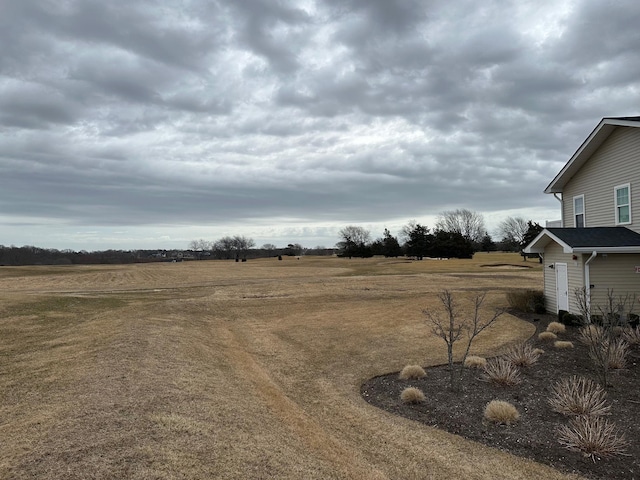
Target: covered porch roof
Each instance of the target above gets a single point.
(587, 240)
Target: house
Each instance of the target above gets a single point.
(596, 248)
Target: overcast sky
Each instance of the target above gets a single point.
(141, 124)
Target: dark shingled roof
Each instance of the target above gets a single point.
(630, 119)
(597, 236)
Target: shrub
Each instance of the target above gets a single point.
(617, 355)
(498, 411)
(592, 335)
(556, 327)
(526, 300)
(502, 372)
(603, 350)
(592, 435)
(412, 395)
(578, 396)
(632, 335)
(547, 336)
(522, 355)
(562, 344)
(473, 361)
(412, 371)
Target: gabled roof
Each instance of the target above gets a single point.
(606, 126)
(587, 240)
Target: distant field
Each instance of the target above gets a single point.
(249, 370)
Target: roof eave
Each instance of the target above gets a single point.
(629, 249)
(539, 243)
(588, 147)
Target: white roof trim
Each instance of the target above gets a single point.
(606, 249)
(588, 147)
(537, 245)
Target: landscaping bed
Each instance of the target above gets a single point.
(534, 434)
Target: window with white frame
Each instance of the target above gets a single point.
(578, 211)
(622, 198)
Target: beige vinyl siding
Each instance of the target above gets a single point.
(616, 162)
(616, 272)
(575, 271)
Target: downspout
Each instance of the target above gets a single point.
(587, 283)
(555, 195)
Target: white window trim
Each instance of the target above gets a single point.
(584, 209)
(615, 202)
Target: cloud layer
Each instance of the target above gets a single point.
(147, 124)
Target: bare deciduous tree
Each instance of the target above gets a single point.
(355, 241)
(513, 229)
(467, 223)
(200, 245)
(452, 326)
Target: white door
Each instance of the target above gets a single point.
(562, 286)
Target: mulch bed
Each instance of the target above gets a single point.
(534, 435)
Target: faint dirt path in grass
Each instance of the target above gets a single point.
(346, 460)
(228, 371)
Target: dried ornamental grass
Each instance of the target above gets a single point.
(547, 336)
(412, 371)
(412, 395)
(563, 344)
(591, 335)
(602, 349)
(593, 436)
(522, 355)
(473, 361)
(539, 351)
(617, 355)
(502, 372)
(500, 412)
(578, 396)
(556, 327)
(632, 335)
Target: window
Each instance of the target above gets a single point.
(622, 198)
(578, 211)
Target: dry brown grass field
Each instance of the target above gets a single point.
(216, 370)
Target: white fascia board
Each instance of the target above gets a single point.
(538, 243)
(632, 249)
(588, 147)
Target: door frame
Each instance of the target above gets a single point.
(562, 291)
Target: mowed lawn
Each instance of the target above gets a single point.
(215, 369)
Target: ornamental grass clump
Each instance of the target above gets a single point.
(591, 335)
(411, 372)
(412, 395)
(500, 412)
(594, 436)
(556, 327)
(617, 354)
(632, 335)
(578, 396)
(474, 361)
(522, 355)
(563, 344)
(502, 372)
(547, 336)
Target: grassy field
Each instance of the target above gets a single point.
(235, 370)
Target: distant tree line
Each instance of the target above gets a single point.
(30, 255)
(457, 234)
